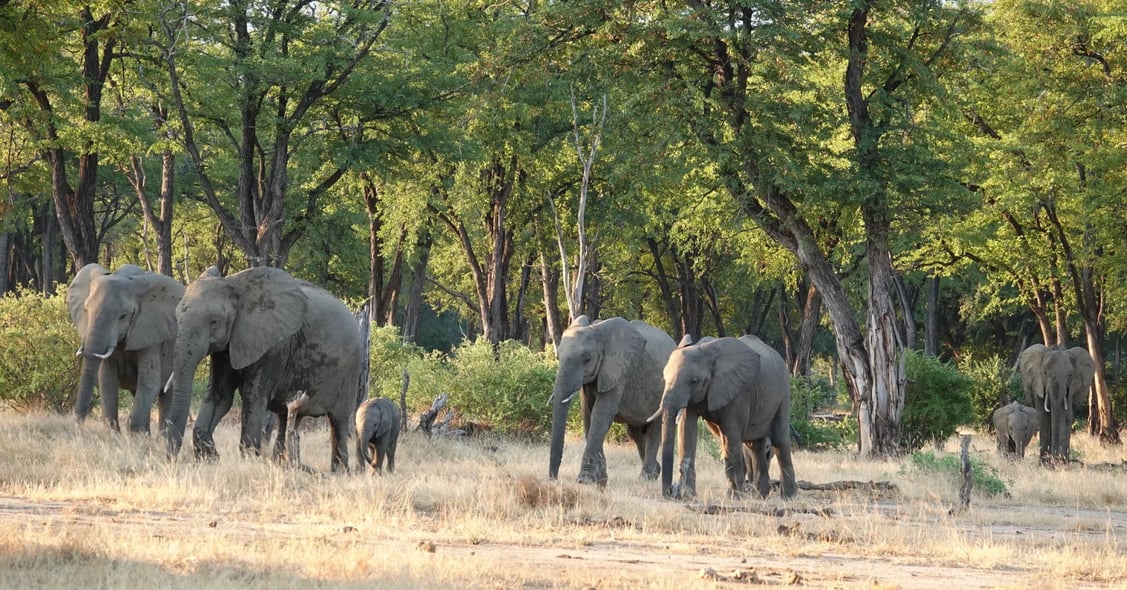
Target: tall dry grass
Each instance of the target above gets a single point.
(81, 507)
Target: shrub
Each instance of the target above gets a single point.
(937, 400)
(993, 384)
(506, 387)
(37, 343)
(985, 476)
(807, 397)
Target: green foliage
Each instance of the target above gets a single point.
(818, 433)
(506, 388)
(986, 478)
(993, 384)
(937, 400)
(37, 343)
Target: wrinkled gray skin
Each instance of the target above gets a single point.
(1054, 379)
(127, 322)
(1014, 425)
(615, 365)
(377, 433)
(272, 337)
(741, 388)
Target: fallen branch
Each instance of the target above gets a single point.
(841, 486)
(709, 508)
(426, 421)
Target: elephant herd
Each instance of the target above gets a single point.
(292, 349)
(288, 347)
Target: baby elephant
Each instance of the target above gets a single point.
(1014, 425)
(377, 429)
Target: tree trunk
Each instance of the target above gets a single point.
(410, 327)
(931, 329)
(550, 281)
(811, 317)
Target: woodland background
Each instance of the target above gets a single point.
(850, 180)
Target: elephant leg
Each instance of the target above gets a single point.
(594, 465)
(687, 449)
(255, 398)
(148, 385)
(220, 396)
(586, 401)
(647, 448)
(108, 385)
(759, 476)
(392, 443)
(781, 444)
(340, 427)
(731, 452)
(1046, 432)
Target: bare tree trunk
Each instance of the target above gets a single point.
(931, 336)
(811, 316)
(410, 327)
(550, 281)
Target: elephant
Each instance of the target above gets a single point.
(1053, 380)
(1013, 425)
(741, 387)
(275, 339)
(127, 322)
(615, 365)
(377, 429)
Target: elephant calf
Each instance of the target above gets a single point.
(377, 429)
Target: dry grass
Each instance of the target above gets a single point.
(81, 507)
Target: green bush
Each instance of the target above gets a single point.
(993, 384)
(37, 344)
(985, 476)
(937, 400)
(808, 396)
(506, 387)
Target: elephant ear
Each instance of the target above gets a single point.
(1083, 373)
(271, 308)
(79, 290)
(622, 346)
(735, 367)
(155, 319)
(1029, 365)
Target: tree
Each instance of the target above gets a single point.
(252, 82)
(767, 112)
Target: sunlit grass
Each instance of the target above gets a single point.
(83, 507)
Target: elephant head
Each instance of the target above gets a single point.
(243, 315)
(127, 310)
(1014, 425)
(597, 355)
(713, 371)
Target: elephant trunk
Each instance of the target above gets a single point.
(560, 407)
(85, 396)
(668, 437)
(189, 353)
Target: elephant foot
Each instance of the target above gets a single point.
(594, 470)
(588, 478)
(680, 491)
(651, 473)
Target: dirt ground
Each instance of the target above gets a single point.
(697, 564)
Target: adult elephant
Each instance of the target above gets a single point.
(1013, 426)
(1054, 379)
(741, 387)
(127, 322)
(272, 337)
(615, 365)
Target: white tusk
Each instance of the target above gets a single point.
(106, 355)
(1047, 410)
(681, 416)
(654, 417)
(79, 352)
(567, 400)
(168, 384)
